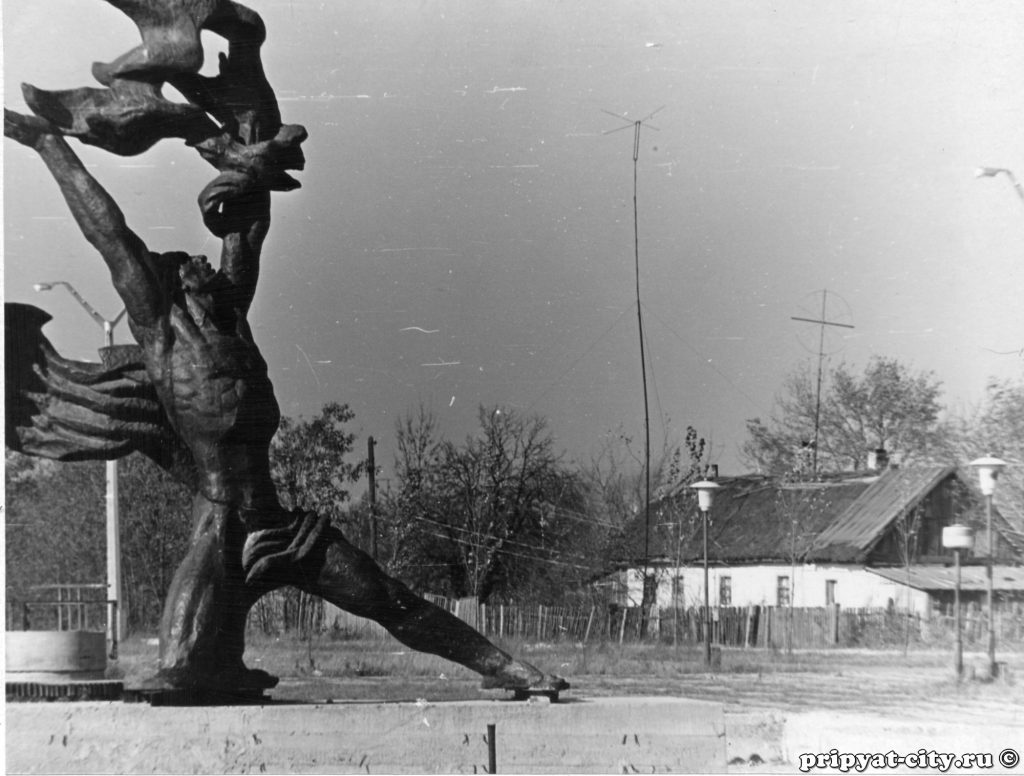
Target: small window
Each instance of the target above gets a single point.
(782, 592)
(725, 591)
(830, 592)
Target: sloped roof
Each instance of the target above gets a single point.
(1004, 578)
(754, 519)
(854, 532)
(757, 519)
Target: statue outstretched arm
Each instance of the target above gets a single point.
(98, 216)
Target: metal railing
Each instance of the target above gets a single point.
(61, 607)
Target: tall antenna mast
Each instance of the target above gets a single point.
(822, 322)
(637, 124)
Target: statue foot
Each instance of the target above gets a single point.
(518, 675)
(25, 129)
(238, 681)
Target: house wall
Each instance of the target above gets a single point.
(854, 586)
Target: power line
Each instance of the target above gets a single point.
(756, 404)
(552, 561)
(594, 344)
(485, 535)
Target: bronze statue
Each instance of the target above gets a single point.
(195, 394)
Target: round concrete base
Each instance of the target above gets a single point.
(58, 656)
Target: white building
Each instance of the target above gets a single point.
(855, 541)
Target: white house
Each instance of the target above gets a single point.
(855, 541)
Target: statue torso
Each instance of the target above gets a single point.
(213, 383)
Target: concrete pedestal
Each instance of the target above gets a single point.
(601, 735)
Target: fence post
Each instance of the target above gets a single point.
(590, 621)
(835, 624)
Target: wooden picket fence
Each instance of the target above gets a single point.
(773, 627)
(780, 627)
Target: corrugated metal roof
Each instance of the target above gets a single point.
(1004, 578)
(857, 529)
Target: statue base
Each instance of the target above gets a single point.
(578, 735)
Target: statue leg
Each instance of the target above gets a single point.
(202, 630)
(322, 562)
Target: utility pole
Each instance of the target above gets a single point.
(822, 322)
(373, 496)
(648, 596)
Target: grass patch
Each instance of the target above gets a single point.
(328, 668)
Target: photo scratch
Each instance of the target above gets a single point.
(443, 363)
(323, 97)
(420, 328)
(310, 365)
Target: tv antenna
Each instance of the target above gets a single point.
(822, 323)
(636, 125)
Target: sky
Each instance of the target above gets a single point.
(464, 233)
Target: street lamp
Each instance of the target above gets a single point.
(116, 618)
(991, 172)
(705, 498)
(988, 469)
(957, 538)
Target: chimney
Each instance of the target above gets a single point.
(878, 459)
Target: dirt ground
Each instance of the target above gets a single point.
(918, 685)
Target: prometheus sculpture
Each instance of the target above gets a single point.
(194, 393)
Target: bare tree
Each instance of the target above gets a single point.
(498, 513)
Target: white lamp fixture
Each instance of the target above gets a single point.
(988, 469)
(705, 493)
(958, 537)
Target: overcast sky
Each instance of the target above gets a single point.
(464, 233)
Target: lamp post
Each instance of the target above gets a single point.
(116, 618)
(988, 469)
(957, 538)
(991, 172)
(705, 498)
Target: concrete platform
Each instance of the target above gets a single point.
(601, 735)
